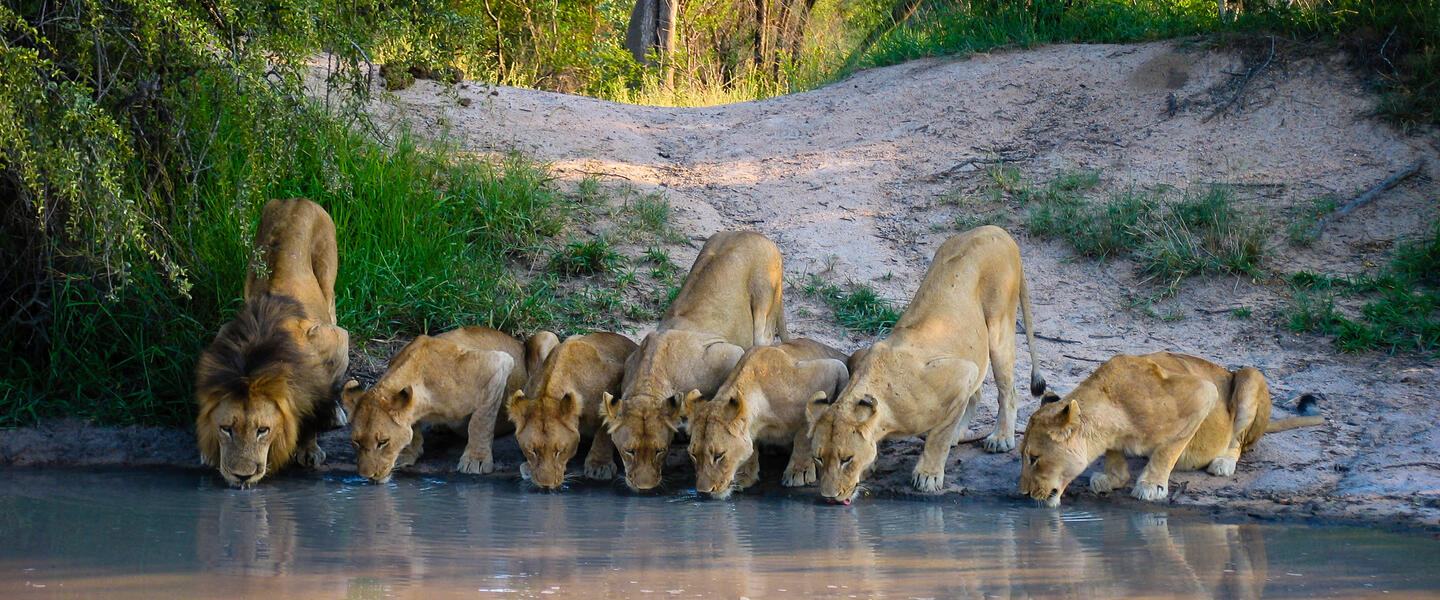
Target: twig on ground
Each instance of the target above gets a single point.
(1369, 195)
(1249, 75)
(1057, 339)
(1073, 357)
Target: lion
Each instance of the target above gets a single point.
(924, 378)
(561, 402)
(458, 379)
(1181, 411)
(267, 384)
(730, 301)
(762, 401)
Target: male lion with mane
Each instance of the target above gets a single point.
(730, 302)
(457, 379)
(762, 402)
(267, 385)
(561, 402)
(925, 377)
(1183, 412)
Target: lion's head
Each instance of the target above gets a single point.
(1053, 452)
(845, 442)
(548, 431)
(642, 428)
(247, 437)
(380, 421)
(719, 440)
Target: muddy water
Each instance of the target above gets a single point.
(182, 535)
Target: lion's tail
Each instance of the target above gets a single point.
(1305, 405)
(1037, 382)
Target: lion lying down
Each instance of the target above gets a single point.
(1182, 412)
(762, 401)
(458, 378)
(267, 384)
(561, 402)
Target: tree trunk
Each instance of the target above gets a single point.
(641, 33)
(668, 17)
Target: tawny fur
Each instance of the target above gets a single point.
(561, 402)
(924, 378)
(762, 402)
(267, 385)
(458, 379)
(1180, 411)
(730, 302)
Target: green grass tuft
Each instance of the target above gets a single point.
(595, 257)
(856, 306)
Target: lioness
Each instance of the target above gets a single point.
(267, 384)
(561, 402)
(1182, 412)
(925, 377)
(762, 401)
(458, 378)
(730, 302)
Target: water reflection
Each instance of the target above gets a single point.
(148, 535)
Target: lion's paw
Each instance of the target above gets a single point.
(476, 465)
(1223, 466)
(1103, 483)
(525, 471)
(310, 455)
(1150, 492)
(800, 477)
(745, 479)
(927, 482)
(599, 470)
(405, 459)
(997, 442)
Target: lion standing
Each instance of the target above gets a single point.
(268, 383)
(925, 377)
(730, 302)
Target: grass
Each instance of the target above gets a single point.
(1301, 230)
(1201, 232)
(1396, 309)
(856, 306)
(595, 257)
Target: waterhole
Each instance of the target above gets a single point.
(181, 534)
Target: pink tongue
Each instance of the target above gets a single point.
(846, 502)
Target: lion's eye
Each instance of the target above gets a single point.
(381, 443)
(262, 431)
(845, 462)
(557, 454)
(355, 444)
(225, 429)
(818, 461)
(630, 453)
(659, 453)
(1034, 460)
(718, 457)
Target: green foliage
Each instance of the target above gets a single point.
(1396, 310)
(1202, 233)
(856, 306)
(595, 257)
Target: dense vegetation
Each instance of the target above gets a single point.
(138, 139)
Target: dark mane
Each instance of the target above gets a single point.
(250, 345)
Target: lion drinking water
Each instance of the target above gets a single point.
(458, 379)
(762, 401)
(1183, 412)
(925, 377)
(730, 301)
(561, 402)
(267, 384)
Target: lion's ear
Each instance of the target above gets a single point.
(1049, 397)
(865, 410)
(515, 407)
(818, 403)
(403, 401)
(692, 404)
(570, 404)
(1069, 413)
(610, 410)
(350, 396)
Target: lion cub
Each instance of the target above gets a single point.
(1183, 412)
(762, 401)
(561, 402)
(453, 378)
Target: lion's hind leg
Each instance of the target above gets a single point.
(1250, 409)
(1002, 366)
(1117, 472)
(1154, 481)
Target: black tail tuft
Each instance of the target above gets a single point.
(1308, 403)
(1037, 385)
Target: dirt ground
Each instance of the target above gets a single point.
(847, 180)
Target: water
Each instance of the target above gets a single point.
(183, 535)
